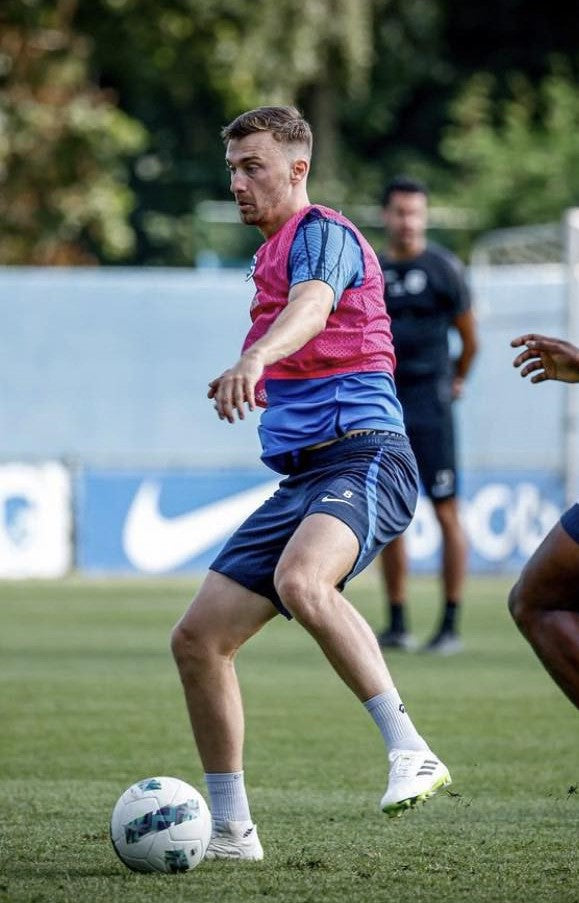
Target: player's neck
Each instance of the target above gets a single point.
(397, 251)
(280, 219)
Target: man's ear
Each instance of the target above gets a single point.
(299, 170)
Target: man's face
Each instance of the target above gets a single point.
(261, 179)
(405, 218)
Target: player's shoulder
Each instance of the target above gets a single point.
(319, 212)
(328, 225)
(322, 211)
(442, 258)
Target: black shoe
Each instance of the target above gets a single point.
(396, 639)
(445, 642)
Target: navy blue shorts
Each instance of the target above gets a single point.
(570, 522)
(429, 423)
(368, 482)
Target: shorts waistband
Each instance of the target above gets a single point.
(357, 441)
(352, 434)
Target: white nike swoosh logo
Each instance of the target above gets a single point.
(154, 543)
(328, 498)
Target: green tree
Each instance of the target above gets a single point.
(188, 66)
(110, 113)
(313, 54)
(63, 145)
(516, 160)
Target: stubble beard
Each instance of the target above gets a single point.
(258, 216)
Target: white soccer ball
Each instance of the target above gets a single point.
(161, 825)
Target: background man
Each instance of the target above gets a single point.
(545, 600)
(426, 295)
(319, 355)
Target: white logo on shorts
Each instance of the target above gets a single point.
(330, 498)
(443, 483)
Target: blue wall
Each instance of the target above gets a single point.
(108, 369)
(112, 366)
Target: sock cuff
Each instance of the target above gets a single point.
(378, 700)
(223, 777)
(228, 797)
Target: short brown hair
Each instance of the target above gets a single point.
(286, 124)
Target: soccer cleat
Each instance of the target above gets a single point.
(446, 642)
(414, 777)
(396, 639)
(235, 840)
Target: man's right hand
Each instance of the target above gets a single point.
(236, 386)
(548, 358)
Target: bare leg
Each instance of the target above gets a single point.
(320, 553)
(454, 549)
(219, 620)
(394, 562)
(394, 566)
(545, 606)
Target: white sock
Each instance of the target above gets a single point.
(228, 797)
(393, 721)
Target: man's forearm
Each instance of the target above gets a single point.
(463, 364)
(299, 322)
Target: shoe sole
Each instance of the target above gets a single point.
(236, 857)
(396, 810)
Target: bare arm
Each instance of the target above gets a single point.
(310, 304)
(548, 358)
(465, 324)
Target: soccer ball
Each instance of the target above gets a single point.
(161, 825)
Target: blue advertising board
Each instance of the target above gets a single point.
(145, 521)
(506, 514)
(160, 522)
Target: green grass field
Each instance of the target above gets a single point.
(90, 702)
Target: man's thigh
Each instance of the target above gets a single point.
(368, 484)
(550, 579)
(373, 494)
(225, 613)
(322, 547)
(250, 556)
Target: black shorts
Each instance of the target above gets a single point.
(368, 482)
(429, 420)
(570, 522)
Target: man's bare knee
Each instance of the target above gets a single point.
(522, 611)
(514, 603)
(301, 595)
(194, 646)
(187, 645)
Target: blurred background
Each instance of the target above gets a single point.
(122, 261)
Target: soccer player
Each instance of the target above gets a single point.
(545, 600)
(319, 358)
(426, 295)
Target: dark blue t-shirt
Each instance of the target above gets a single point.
(423, 297)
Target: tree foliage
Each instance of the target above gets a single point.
(191, 65)
(63, 143)
(517, 159)
(111, 110)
